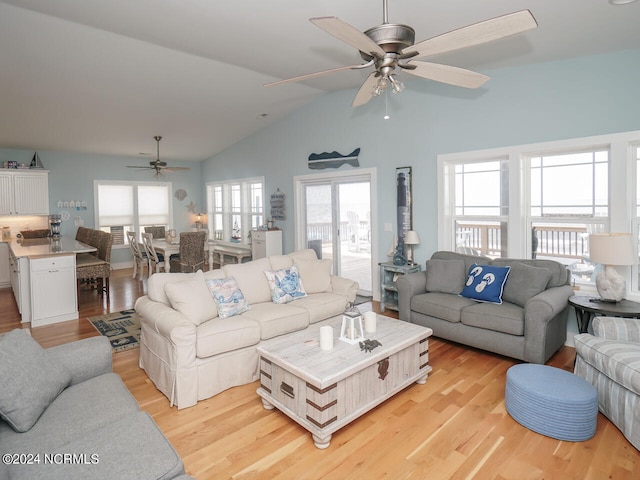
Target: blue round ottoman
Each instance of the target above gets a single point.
(552, 402)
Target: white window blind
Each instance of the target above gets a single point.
(116, 205)
(153, 205)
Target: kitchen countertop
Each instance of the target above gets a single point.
(38, 247)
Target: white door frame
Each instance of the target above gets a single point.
(369, 174)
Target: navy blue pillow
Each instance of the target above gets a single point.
(485, 283)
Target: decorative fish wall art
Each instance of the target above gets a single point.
(333, 160)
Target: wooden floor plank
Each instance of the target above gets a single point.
(453, 427)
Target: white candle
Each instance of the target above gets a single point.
(326, 337)
(370, 322)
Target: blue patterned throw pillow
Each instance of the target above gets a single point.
(485, 283)
(228, 297)
(285, 285)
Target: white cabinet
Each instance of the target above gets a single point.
(53, 289)
(265, 243)
(19, 269)
(24, 192)
(5, 270)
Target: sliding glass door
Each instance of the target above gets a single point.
(336, 223)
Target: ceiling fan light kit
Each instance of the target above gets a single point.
(390, 46)
(158, 165)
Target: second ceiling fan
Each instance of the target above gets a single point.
(158, 165)
(390, 46)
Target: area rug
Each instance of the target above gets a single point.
(121, 328)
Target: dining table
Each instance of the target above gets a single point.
(215, 248)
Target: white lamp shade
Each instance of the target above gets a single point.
(411, 238)
(612, 249)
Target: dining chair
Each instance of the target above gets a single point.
(139, 257)
(96, 271)
(157, 232)
(82, 234)
(156, 260)
(191, 253)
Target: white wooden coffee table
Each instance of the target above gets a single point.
(325, 390)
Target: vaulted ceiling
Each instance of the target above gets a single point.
(104, 77)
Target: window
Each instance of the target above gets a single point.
(542, 200)
(563, 213)
(234, 208)
(122, 207)
(481, 207)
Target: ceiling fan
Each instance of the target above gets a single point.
(158, 165)
(391, 45)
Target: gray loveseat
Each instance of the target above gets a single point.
(65, 415)
(529, 325)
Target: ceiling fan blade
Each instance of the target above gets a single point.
(476, 34)
(174, 169)
(136, 166)
(366, 90)
(448, 74)
(316, 74)
(348, 34)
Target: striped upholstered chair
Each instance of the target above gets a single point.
(610, 360)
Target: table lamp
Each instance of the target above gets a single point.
(411, 239)
(610, 249)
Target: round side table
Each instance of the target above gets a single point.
(589, 307)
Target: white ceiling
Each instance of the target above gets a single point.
(104, 77)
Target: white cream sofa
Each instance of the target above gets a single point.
(190, 353)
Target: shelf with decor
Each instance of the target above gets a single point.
(389, 274)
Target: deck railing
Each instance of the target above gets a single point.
(552, 241)
(548, 241)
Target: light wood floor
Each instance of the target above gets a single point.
(453, 427)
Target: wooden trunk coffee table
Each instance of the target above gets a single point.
(325, 390)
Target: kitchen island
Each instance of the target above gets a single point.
(43, 278)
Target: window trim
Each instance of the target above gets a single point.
(134, 184)
(247, 213)
(622, 198)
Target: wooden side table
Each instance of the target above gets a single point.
(389, 274)
(586, 309)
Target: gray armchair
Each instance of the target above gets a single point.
(610, 360)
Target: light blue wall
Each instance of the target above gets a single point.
(574, 98)
(71, 177)
(551, 101)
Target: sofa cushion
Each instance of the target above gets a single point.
(505, 318)
(285, 285)
(228, 297)
(559, 273)
(129, 447)
(251, 280)
(440, 305)
(157, 282)
(525, 282)
(485, 283)
(226, 334)
(315, 274)
(445, 276)
(30, 379)
(85, 406)
(278, 319)
(321, 306)
(467, 259)
(287, 261)
(192, 298)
